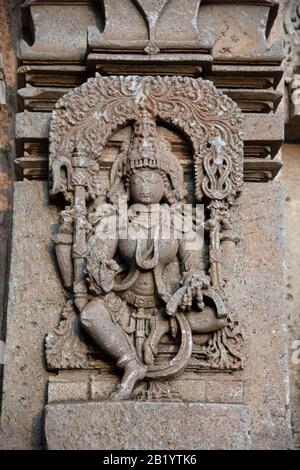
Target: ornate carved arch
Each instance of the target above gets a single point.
(86, 117)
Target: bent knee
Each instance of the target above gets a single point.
(91, 311)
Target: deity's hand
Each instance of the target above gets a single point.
(108, 270)
(102, 267)
(193, 284)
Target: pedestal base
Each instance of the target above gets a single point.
(146, 425)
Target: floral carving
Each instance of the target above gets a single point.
(92, 112)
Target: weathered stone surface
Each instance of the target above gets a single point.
(32, 126)
(151, 26)
(130, 425)
(156, 35)
(44, 98)
(226, 391)
(246, 63)
(292, 68)
(35, 297)
(86, 386)
(264, 128)
(60, 30)
(255, 291)
(263, 134)
(33, 312)
(257, 127)
(231, 46)
(9, 33)
(291, 181)
(60, 389)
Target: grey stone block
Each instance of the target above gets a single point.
(146, 425)
(34, 305)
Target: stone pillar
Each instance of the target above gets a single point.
(292, 68)
(236, 376)
(9, 33)
(290, 178)
(291, 153)
(4, 185)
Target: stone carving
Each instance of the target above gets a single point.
(151, 27)
(292, 41)
(50, 30)
(292, 65)
(228, 44)
(148, 286)
(67, 347)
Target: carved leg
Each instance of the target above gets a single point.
(158, 329)
(205, 321)
(133, 372)
(97, 321)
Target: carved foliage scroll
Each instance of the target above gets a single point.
(91, 113)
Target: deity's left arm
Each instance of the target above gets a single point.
(193, 277)
(101, 249)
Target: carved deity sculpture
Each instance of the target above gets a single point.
(140, 270)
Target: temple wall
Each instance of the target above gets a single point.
(60, 46)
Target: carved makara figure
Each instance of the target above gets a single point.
(141, 269)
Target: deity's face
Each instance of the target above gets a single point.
(146, 186)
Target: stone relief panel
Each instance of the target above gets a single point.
(148, 169)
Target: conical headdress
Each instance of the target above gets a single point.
(148, 150)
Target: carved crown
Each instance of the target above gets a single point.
(88, 116)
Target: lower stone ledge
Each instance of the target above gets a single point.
(146, 425)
